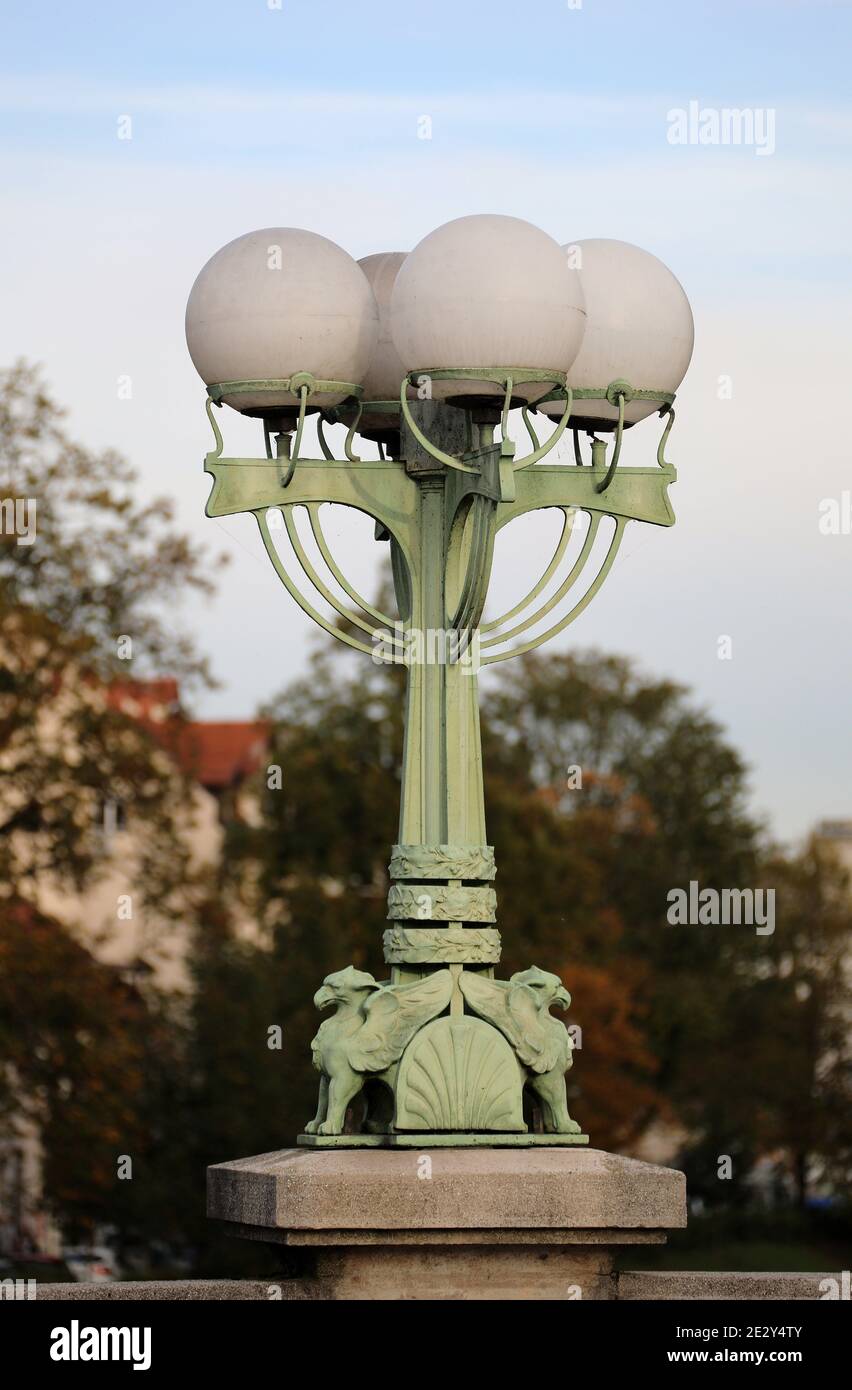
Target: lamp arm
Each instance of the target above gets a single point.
(637, 494)
(382, 491)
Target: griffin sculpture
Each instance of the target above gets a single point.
(371, 1028)
(519, 1007)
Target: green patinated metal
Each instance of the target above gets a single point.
(442, 1048)
(451, 945)
(508, 381)
(442, 862)
(438, 1140)
(445, 902)
(300, 382)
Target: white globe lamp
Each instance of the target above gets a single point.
(639, 331)
(380, 415)
(274, 310)
(485, 298)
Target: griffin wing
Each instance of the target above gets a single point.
(514, 1010)
(393, 1016)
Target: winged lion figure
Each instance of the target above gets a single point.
(520, 1007)
(372, 1025)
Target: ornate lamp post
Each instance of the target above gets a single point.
(425, 355)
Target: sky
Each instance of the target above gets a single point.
(251, 113)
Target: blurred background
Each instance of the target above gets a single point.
(197, 797)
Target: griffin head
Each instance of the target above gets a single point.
(548, 988)
(344, 987)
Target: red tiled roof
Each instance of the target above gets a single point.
(149, 701)
(218, 755)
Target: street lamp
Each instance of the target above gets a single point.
(426, 354)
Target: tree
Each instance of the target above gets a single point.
(97, 584)
(662, 803)
(85, 1054)
(315, 867)
(87, 1062)
(778, 1080)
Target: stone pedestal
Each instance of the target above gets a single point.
(447, 1223)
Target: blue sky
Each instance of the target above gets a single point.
(246, 116)
(746, 50)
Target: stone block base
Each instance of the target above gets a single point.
(448, 1223)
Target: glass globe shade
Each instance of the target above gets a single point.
(276, 302)
(639, 329)
(487, 292)
(385, 372)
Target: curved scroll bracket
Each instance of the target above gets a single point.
(313, 511)
(331, 417)
(307, 391)
(578, 608)
(568, 515)
(322, 418)
(620, 398)
(661, 447)
(217, 433)
(507, 381)
(304, 391)
(347, 447)
(381, 638)
(542, 450)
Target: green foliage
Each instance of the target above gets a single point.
(102, 566)
(88, 1062)
(778, 1081)
(663, 802)
(95, 1065)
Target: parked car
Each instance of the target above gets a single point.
(95, 1264)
